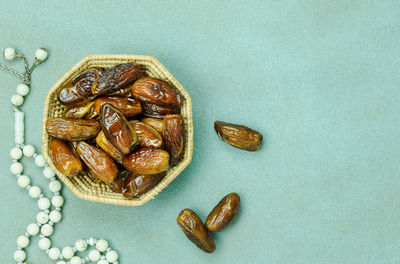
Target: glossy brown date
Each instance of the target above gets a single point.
(174, 137)
(147, 135)
(72, 129)
(238, 136)
(155, 91)
(195, 230)
(85, 81)
(98, 162)
(147, 161)
(109, 148)
(117, 129)
(118, 184)
(224, 213)
(64, 159)
(129, 107)
(117, 77)
(153, 110)
(78, 111)
(69, 96)
(157, 123)
(137, 184)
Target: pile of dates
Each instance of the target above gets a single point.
(121, 127)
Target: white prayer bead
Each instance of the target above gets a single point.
(102, 245)
(28, 150)
(81, 245)
(40, 161)
(23, 181)
(23, 241)
(112, 256)
(54, 253)
(55, 186)
(55, 216)
(42, 217)
(15, 153)
(46, 230)
(44, 243)
(17, 99)
(41, 54)
(32, 229)
(19, 127)
(48, 173)
(16, 168)
(19, 255)
(57, 200)
(102, 261)
(34, 192)
(43, 203)
(22, 89)
(9, 53)
(94, 255)
(67, 252)
(75, 260)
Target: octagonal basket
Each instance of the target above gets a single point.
(83, 186)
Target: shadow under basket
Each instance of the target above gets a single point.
(83, 186)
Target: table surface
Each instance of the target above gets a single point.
(319, 79)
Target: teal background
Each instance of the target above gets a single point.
(320, 80)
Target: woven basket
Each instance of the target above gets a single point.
(83, 186)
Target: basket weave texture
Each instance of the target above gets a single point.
(83, 186)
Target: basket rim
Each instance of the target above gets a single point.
(151, 194)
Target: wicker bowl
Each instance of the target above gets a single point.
(83, 186)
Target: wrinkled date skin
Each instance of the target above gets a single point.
(195, 230)
(79, 111)
(117, 77)
(147, 161)
(155, 91)
(157, 123)
(137, 184)
(72, 129)
(118, 184)
(98, 162)
(117, 129)
(64, 159)
(85, 81)
(174, 137)
(129, 107)
(147, 135)
(109, 148)
(69, 96)
(153, 110)
(238, 136)
(224, 213)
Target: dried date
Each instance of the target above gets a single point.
(174, 137)
(137, 184)
(147, 161)
(158, 111)
(79, 111)
(238, 136)
(129, 107)
(147, 135)
(64, 159)
(157, 123)
(72, 129)
(224, 213)
(109, 148)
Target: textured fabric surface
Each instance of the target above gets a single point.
(320, 79)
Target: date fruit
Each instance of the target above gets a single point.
(118, 184)
(117, 129)
(72, 129)
(137, 184)
(64, 159)
(109, 148)
(157, 123)
(224, 213)
(195, 230)
(155, 91)
(238, 136)
(174, 137)
(117, 77)
(79, 111)
(147, 161)
(98, 162)
(129, 107)
(147, 135)
(85, 81)
(153, 110)
(69, 96)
